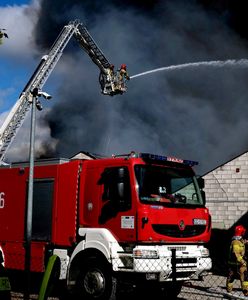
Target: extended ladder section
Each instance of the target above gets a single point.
(89, 45)
(109, 80)
(48, 62)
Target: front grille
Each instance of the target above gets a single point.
(174, 231)
(177, 248)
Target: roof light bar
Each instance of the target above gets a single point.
(164, 158)
(150, 156)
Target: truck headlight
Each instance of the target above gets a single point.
(204, 252)
(144, 253)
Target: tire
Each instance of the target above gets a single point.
(95, 281)
(171, 290)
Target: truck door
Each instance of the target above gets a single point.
(116, 208)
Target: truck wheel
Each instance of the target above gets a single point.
(95, 281)
(172, 290)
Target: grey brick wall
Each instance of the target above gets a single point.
(226, 190)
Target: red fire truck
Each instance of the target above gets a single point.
(109, 220)
(135, 218)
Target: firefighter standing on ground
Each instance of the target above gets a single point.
(237, 261)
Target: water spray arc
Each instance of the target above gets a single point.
(214, 63)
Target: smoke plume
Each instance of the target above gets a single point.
(193, 113)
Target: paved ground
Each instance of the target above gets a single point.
(193, 290)
(212, 287)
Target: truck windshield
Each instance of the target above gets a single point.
(167, 185)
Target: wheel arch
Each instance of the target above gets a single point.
(76, 265)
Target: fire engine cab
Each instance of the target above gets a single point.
(136, 217)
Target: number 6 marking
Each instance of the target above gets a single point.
(2, 199)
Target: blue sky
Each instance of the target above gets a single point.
(18, 60)
(13, 59)
(18, 56)
(14, 2)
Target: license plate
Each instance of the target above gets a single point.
(151, 276)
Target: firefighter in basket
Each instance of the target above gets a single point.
(122, 76)
(237, 261)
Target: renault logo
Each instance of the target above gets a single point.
(181, 225)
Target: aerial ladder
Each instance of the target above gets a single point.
(108, 79)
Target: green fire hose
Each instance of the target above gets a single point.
(50, 278)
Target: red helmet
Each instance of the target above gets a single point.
(239, 230)
(112, 67)
(123, 66)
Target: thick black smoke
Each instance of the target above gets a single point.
(197, 114)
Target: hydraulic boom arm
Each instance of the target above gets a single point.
(17, 114)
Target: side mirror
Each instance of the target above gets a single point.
(203, 196)
(201, 183)
(122, 172)
(123, 190)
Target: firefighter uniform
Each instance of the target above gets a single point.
(123, 73)
(122, 76)
(237, 261)
(5, 289)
